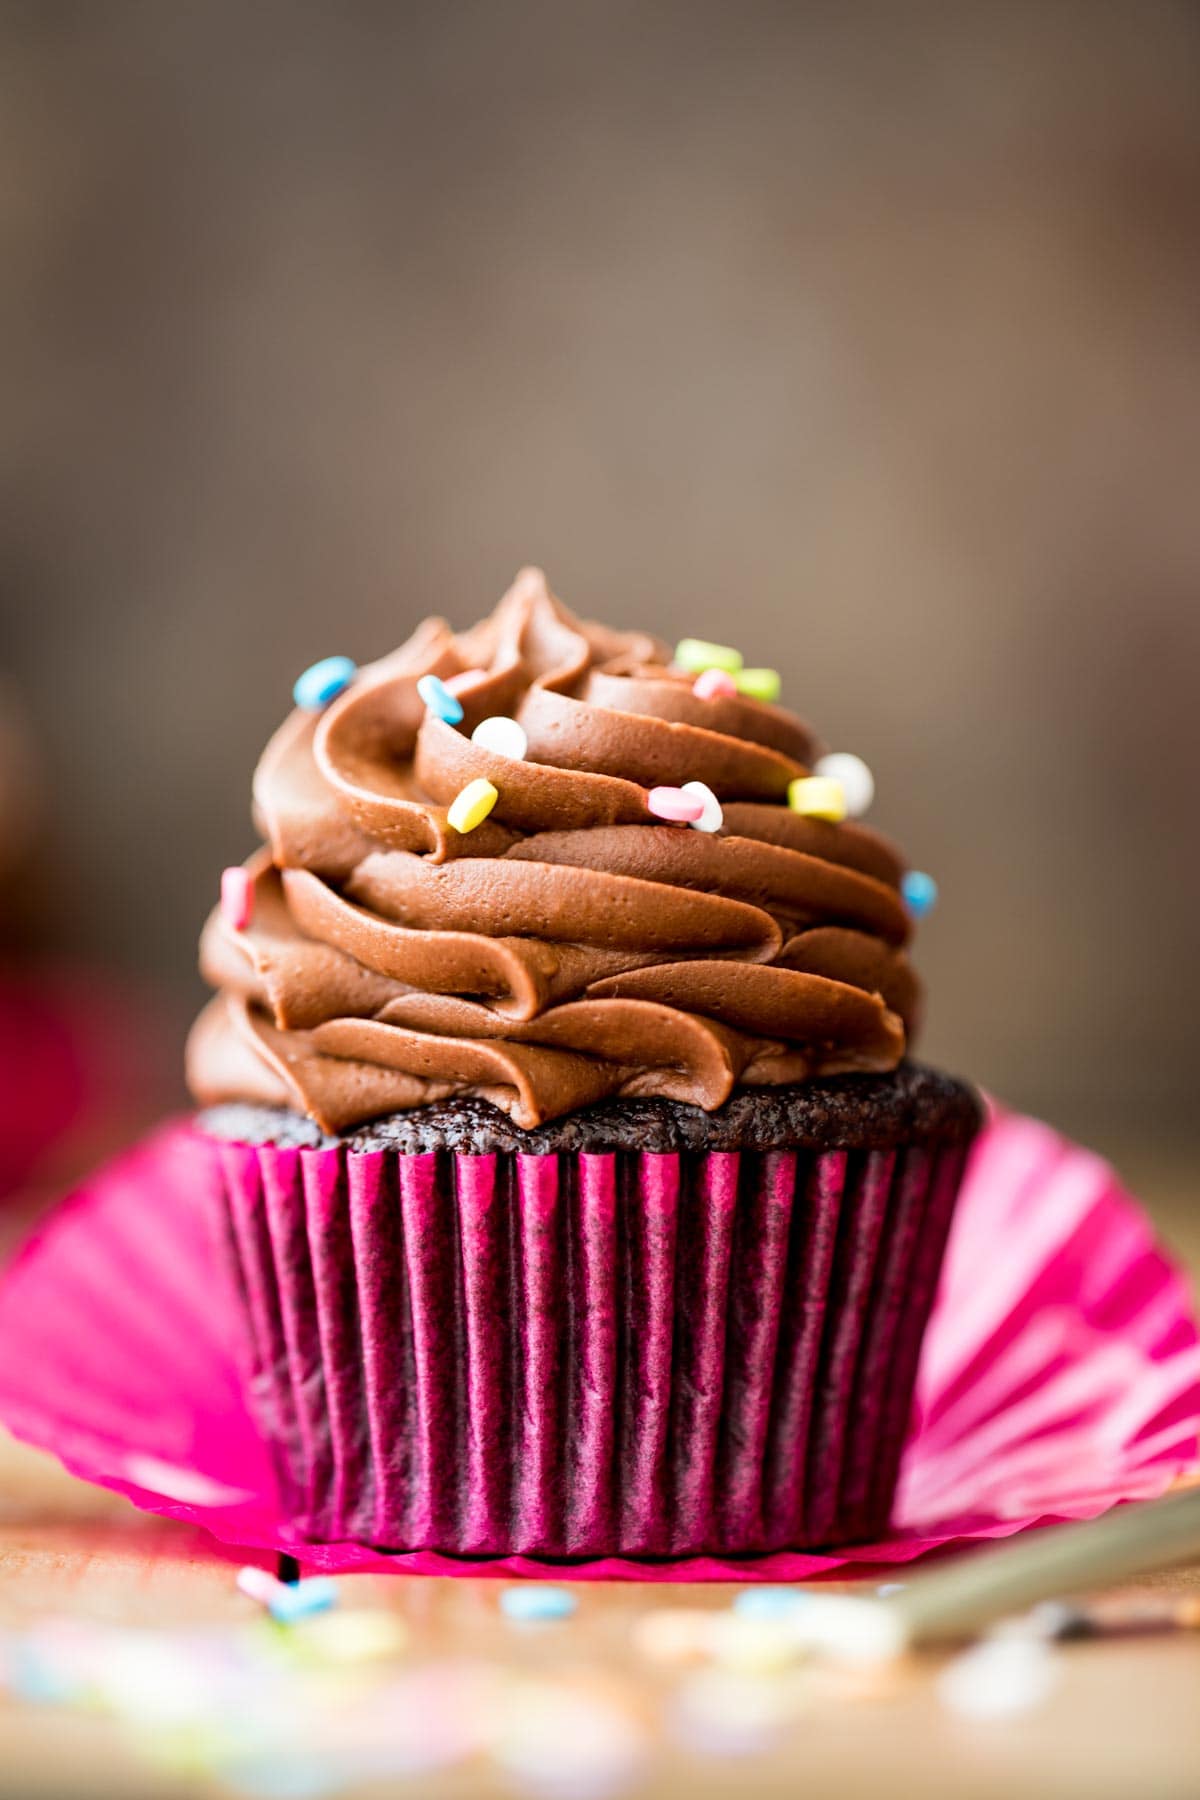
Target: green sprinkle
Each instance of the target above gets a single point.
(758, 684)
(694, 655)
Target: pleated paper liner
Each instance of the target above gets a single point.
(586, 1355)
(1060, 1374)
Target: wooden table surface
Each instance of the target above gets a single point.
(1123, 1721)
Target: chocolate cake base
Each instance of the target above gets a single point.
(913, 1105)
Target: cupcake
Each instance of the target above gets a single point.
(565, 1149)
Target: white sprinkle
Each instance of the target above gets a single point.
(849, 1629)
(998, 1679)
(753, 1646)
(719, 1712)
(712, 818)
(503, 737)
(857, 781)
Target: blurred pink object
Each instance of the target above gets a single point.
(75, 1056)
(43, 1079)
(1061, 1371)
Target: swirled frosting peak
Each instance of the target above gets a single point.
(572, 947)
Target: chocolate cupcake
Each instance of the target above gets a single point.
(563, 1144)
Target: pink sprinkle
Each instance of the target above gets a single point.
(259, 1584)
(673, 804)
(714, 684)
(237, 898)
(464, 679)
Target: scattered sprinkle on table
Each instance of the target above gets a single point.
(674, 1634)
(535, 1602)
(857, 781)
(353, 1636)
(999, 1678)
(472, 806)
(714, 684)
(676, 805)
(439, 700)
(753, 1646)
(323, 682)
(694, 655)
(712, 817)
(287, 1601)
(770, 1602)
(758, 684)
(237, 897)
(817, 797)
(919, 891)
(503, 737)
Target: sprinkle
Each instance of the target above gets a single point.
(758, 684)
(464, 679)
(754, 1646)
(237, 897)
(324, 682)
(503, 737)
(258, 1584)
(770, 1602)
(714, 684)
(850, 1629)
(288, 1600)
(920, 892)
(712, 818)
(727, 1712)
(440, 701)
(675, 1634)
(355, 1636)
(857, 781)
(472, 806)
(675, 805)
(695, 655)
(535, 1602)
(300, 1599)
(817, 797)
(998, 1679)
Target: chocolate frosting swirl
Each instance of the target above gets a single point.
(572, 948)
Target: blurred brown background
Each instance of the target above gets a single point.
(864, 336)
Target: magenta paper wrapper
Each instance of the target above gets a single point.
(1060, 1373)
(586, 1355)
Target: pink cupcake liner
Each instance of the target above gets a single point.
(1059, 1375)
(636, 1354)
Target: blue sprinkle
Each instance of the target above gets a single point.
(920, 892)
(324, 682)
(301, 1599)
(890, 1587)
(39, 1681)
(770, 1602)
(440, 701)
(534, 1601)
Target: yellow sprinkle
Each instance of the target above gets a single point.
(817, 797)
(694, 655)
(472, 806)
(759, 684)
